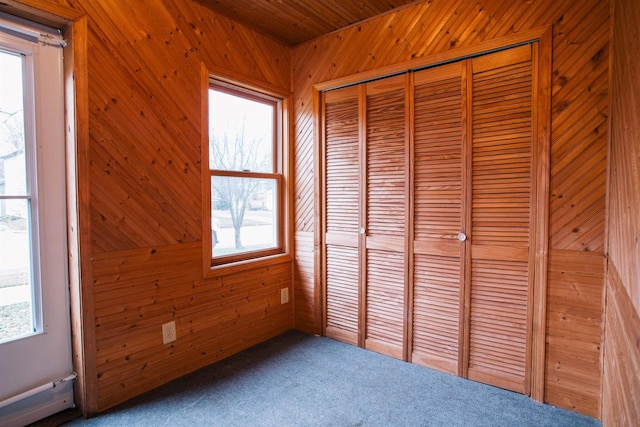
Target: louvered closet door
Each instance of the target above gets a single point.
(385, 215)
(429, 215)
(500, 271)
(438, 217)
(341, 224)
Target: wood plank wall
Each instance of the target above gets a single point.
(621, 385)
(141, 232)
(578, 163)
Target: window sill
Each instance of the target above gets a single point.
(245, 265)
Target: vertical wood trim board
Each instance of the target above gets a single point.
(362, 213)
(467, 204)
(409, 215)
(78, 211)
(318, 304)
(542, 114)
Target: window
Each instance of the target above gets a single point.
(245, 168)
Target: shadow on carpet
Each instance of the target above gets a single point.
(297, 379)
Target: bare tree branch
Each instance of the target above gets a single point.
(237, 153)
(11, 132)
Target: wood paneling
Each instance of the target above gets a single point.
(621, 384)
(579, 104)
(302, 20)
(579, 131)
(304, 183)
(137, 290)
(574, 323)
(304, 291)
(155, 184)
(624, 187)
(137, 68)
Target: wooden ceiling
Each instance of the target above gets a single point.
(296, 21)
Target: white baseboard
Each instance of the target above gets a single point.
(37, 407)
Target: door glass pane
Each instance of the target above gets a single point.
(16, 302)
(16, 273)
(243, 214)
(12, 141)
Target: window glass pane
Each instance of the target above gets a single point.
(16, 302)
(12, 142)
(243, 215)
(16, 281)
(241, 133)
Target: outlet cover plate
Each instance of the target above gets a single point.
(284, 295)
(169, 332)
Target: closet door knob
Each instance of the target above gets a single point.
(462, 237)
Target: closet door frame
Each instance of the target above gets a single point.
(542, 152)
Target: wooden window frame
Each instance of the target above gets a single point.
(280, 167)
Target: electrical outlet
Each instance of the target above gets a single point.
(284, 295)
(169, 332)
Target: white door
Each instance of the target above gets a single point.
(35, 337)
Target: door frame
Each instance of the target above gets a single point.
(39, 364)
(73, 23)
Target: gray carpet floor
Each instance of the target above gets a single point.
(303, 380)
